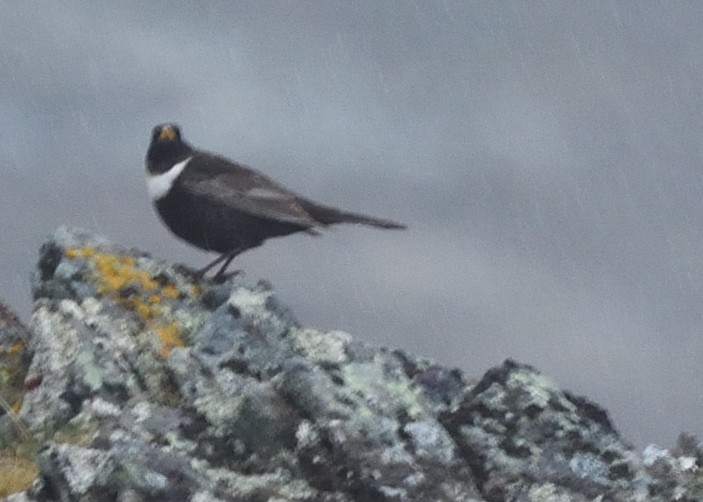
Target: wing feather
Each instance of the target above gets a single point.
(245, 190)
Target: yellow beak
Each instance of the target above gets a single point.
(167, 134)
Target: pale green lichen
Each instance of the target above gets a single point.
(321, 348)
(92, 375)
(368, 380)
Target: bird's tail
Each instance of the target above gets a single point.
(329, 216)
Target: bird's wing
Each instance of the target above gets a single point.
(243, 189)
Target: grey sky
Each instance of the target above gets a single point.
(546, 156)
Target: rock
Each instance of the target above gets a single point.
(146, 384)
(15, 357)
(524, 437)
(17, 465)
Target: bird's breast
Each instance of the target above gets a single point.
(159, 185)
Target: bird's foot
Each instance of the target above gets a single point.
(185, 270)
(220, 278)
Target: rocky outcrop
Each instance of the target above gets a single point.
(146, 384)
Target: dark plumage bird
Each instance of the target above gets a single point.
(219, 205)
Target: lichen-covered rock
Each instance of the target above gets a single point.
(17, 467)
(151, 385)
(676, 473)
(15, 356)
(527, 440)
(146, 384)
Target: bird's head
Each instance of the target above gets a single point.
(165, 133)
(166, 147)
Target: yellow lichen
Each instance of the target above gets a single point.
(84, 252)
(18, 473)
(118, 278)
(170, 291)
(16, 348)
(115, 273)
(169, 336)
(145, 311)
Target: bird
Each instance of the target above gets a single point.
(220, 205)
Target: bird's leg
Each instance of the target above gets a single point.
(200, 273)
(220, 275)
(226, 257)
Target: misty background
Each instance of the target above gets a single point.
(546, 157)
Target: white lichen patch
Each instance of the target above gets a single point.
(249, 303)
(306, 435)
(103, 409)
(431, 441)
(324, 348)
(539, 386)
(381, 394)
(80, 466)
(141, 411)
